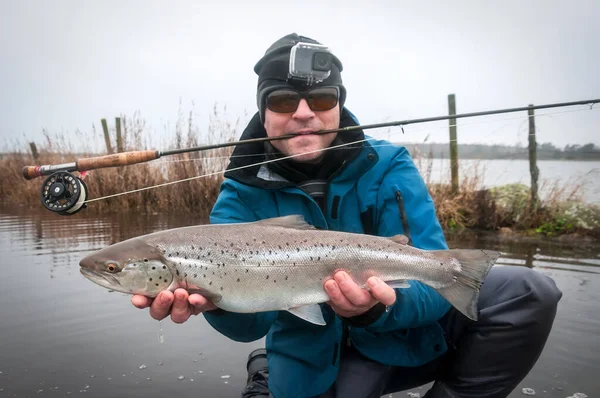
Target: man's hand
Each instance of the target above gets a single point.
(348, 299)
(180, 305)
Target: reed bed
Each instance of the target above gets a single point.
(474, 206)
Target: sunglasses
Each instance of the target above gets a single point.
(318, 99)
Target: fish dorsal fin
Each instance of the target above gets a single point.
(294, 221)
(310, 313)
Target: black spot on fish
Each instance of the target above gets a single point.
(231, 245)
(267, 276)
(215, 243)
(441, 263)
(272, 262)
(150, 279)
(247, 244)
(157, 284)
(286, 277)
(145, 260)
(332, 247)
(274, 281)
(192, 247)
(204, 275)
(177, 253)
(319, 258)
(288, 256)
(359, 246)
(246, 271)
(305, 240)
(198, 257)
(211, 260)
(270, 252)
(185, 275)
(177, 272)
(287, 243)
(238, 279)
(298, 249)
(280, 248)
(153, 267)
(222, 251)
(195, 275)
(210, 283)
(294, 264)
(164, 267)
(221, 288)
(311, 258)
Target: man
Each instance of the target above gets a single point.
(374, 342)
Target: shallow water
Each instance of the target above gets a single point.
(63, 335)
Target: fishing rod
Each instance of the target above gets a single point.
(65, 193)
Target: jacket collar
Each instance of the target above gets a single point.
(250, 156)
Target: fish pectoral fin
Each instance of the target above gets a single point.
(213, 297)
(399, 284)
(295, 221)
(310, 313)
(401, 239)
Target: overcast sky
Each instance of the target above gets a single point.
(67, 64)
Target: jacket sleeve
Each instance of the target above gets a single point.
(404, 199)
(229, 208)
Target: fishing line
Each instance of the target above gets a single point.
(224, 171)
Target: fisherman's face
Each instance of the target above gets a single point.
(302, 120)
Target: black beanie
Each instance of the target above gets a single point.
(272, 70)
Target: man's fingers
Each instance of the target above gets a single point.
(180, 312)
(382, 291)
(200, 304)
(140, 301)
(338, 300)
(161, 306)
(356, 295)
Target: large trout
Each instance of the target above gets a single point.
(280, 264)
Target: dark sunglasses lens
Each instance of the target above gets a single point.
(283, 101)
(323, 99)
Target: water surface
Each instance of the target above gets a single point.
(62, 335)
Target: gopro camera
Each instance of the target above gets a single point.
(310, 63)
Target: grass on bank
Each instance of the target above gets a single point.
(507, 207)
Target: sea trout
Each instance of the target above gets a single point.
(280, 264)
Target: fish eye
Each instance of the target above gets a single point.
(111, 267)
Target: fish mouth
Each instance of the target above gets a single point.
(101, 278)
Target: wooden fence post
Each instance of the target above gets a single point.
(106, 137)
(34, 151)
(533, 169)
(453, 143)
(119, 138)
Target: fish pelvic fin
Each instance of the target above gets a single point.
(464, 293)
(310, 313)
(294, 221)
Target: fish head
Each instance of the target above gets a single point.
(132, 266)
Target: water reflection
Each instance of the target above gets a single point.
(62, 334)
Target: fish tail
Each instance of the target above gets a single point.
(464, 293)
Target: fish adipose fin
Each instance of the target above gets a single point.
(310, 313)
(475, 265)
(294, 221)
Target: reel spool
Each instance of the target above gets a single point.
(64, 193)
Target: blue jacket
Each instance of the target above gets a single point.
(381, 190)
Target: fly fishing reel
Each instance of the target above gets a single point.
(64, 193)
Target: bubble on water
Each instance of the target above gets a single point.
(578, 395)
(86, 387)
(225, 377)
(195, 360)
(142, 366)
(92, 376)
(181, 378)
(124, 375)
(148, 378)
(191, 379)
(39, 391)
(200, 371)
(198, 354)
(82, 390)
(109, 378)
(413, 394)
(528, 391)
(160, 363)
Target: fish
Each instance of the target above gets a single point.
(281, 264)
